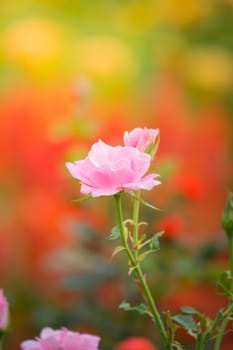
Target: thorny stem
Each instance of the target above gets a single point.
(137, 268)
(200, 342)
(230, 307)
(136, 217)
(220, 334)
(230, 243)
(223, 327)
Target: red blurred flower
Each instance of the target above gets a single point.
(135, 343)
(110, 294)
(34, 200)
(173, 225)
(112, 121)
(203, 297)
(198, 143)
(189, 185)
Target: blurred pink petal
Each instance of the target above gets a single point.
(4, 311)
(63, 339)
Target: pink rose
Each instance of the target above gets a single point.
(140, 138)
(4, 310)
(63, 339)
(108, 170)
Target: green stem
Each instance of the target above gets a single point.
(200, 342)
(223, 327)
(135, 264)
(131, 257)
(230, 243)
(1, 341)
(136, 217)
(150, 301)
(230, 307)
(220, 334)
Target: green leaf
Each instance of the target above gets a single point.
(142, 201)
(177, 346)
(115, 233)
(141, 242)
(117, 250)
(131, 269)
(141, 308)
(149, 205)
(154, 243)
(124, 305)
(186, 321)
(189, 310)
(224, 281)
(143, 255)
(82, 199)
(219, 317)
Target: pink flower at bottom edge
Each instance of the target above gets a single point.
(4, 311)
(62, 339)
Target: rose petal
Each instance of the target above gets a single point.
(146, 183)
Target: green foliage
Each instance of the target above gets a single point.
(189, 310)
(227, 217)
(82, 199)
(117, 250)
(143, 202)
(142, 256)
(187, 322)
(115, 233)
(154, 242)
(224, 282)
(142, 309)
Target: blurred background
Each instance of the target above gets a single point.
(76, 71)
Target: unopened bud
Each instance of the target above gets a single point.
(227, 217)
(144, 139)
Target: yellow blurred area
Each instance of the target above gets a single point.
(183, 12)
(150, 13)
(33, 42)
(104, 56)
(209, 68)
